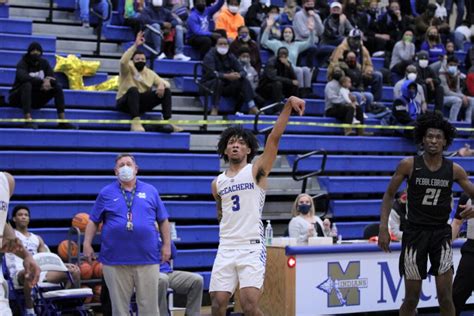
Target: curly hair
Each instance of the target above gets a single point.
(237, 131)
(433, 120)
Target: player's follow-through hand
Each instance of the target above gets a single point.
(297, 104)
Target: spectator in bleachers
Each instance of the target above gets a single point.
(462, 34)
(245, 61)
(425, 22)
(398, 216)
(406, 108)
(402, 55)
(336, 26)
(411, 74)
(459, 11)
(289, 11)
(163, 21)
(370, 77)
(441, 12)
(131, 14)
(322, 7)
(453, 95)
(35, 85)
(357, 15)
(99, 6)
(429, 80)
(305, 223)
(303, 74)
(34, 244)
(391, 26)
(276, 29)
(337, 107)
(182, 283)
(302, 32)
(353, 70)
(200, 36)
(140, 88)
(256, 13)
(349, 98)
(179, 8)
(224, 74)
(435, 48)
(244, 40)
(278, 80)
(134, 218)
(229, 19)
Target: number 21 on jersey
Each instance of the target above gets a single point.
(235, 203)
(431, 197)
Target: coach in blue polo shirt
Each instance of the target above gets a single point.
(129, 209)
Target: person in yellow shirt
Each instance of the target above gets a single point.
(229, 19)
(140, 88)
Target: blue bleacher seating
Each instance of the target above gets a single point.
(93, 161)
(10, 58)
(118, 33)
(4, 11)
(21, 42)
(66, 4)
(174, 67)
(364, 163)
(16, 26)
(80, 140)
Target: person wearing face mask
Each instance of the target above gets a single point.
(200, 36)
(289, 11)
(35, 85)
(406, 108)
(244, 41)
(303, 74)
(434, 47)
(411, 74)
(279, 79)
(164, 22)
(256, 13)
(129, 210)
(229, 19)
(402, 55)
(390, 27)
(224, 74)
(427, 20)
(140, 88)
(300, 24)
(245, 61)
(429, 80)
(336, 27)
(305, 223)
(451, 84)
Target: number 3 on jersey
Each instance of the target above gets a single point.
(236, 203)
(431, 197)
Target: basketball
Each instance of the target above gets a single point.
(97, 270)
(80, 221)
(97, 290)
(63, 247)
(87, 300)
(86, 270)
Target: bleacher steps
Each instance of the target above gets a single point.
(64, 31)
(203, 142)
(86, 47)
(35, 13)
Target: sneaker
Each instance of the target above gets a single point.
(86, 25)
(162, 56)
(177, 128)
(181, 57)
(355, 121)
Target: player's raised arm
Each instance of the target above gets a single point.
(403, 171)
(264, 163)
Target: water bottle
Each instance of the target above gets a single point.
(268, 233)
(334, 233)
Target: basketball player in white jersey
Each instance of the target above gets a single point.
(34, 244)
(240, 194)
(9, 243)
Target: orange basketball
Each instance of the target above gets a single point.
(97, 268)
(63, 247)
(87, 300)
(97, 290)
(80, 221)
(86, 270)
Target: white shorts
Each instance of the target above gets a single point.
(4, 305)
(245, 267)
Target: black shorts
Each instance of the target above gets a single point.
(418, 244)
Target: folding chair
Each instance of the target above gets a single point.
(54, 302)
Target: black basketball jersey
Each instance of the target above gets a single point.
(429, 194)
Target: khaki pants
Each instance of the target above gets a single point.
(122, 280)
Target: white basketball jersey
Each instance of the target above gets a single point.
(31, 243)
(4, 201)
(242, 206)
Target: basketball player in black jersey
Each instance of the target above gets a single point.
(429, 177)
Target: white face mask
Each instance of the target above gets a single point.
(233, 9)
(157, 3)
(411, 76)
(222, 50)
(287, 37)
(126, 174)
(423, 63)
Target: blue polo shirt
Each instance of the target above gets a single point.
(120, 246)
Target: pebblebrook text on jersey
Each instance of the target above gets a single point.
(432, 182)
(237, 187)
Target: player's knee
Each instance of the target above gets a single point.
(444, 298)
(411, 302)
(218, 301)
(250, 307)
